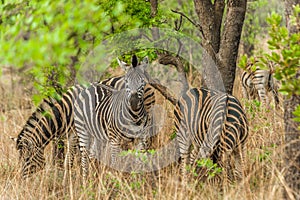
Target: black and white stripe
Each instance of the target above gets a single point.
(209, 124)
(54, 118)
(257, 82)
(116, 116)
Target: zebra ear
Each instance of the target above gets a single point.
(145, 60)
(144, 63)
(134, 61)
(123, 64)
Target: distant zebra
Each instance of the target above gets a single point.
(105, 114)
(256, 83)
(54, 118)
(210, 124)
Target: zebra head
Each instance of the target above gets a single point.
(135, 80)
(30, 156)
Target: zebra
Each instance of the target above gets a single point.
(118, 83)
(257, 82)
(54, 118)
(103, 114)
(210, 124)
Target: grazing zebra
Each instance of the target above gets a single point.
(105, 114)
(54, 118)
(213, 125)
(257, 83)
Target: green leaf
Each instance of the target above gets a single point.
(243, 62)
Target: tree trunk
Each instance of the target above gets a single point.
(222, 47)
(236, 10)
(292, 134)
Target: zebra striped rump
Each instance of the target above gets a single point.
(256, 83)
(209, 124)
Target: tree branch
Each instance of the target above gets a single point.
(164, 91)
(205, 42)
(175, 61)
(192, 22)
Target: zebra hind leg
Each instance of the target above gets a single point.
(84, 163)
(184, 150)
(72, 148)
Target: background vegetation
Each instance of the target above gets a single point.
(43, 45)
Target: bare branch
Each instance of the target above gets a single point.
(146, 36)
(205, 42)
(190, 20)
(164, 91)
(175, 61)
(154, 5)
(178, 23)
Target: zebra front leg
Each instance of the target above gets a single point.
(194, 155)
(184, 166)
(72, 144)
(115, 146)
(144, 144)
(275, 96)
(72, 147)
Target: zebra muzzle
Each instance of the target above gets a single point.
(134, 101)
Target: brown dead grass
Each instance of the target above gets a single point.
(263, 168)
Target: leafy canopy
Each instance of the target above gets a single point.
(51, 39)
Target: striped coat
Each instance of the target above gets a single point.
(209, 124)
(103, 114)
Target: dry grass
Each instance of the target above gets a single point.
(263, 166)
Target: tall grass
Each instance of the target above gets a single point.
(263, 170)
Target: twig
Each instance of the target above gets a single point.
(194, 23)
(206, 43)
(175, 61)
(146, 36)
(178, 23)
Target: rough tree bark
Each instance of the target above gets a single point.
(223, 45)
(292, 134)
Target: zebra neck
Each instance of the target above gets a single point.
(127, 115)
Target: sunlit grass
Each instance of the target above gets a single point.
(263, 167)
